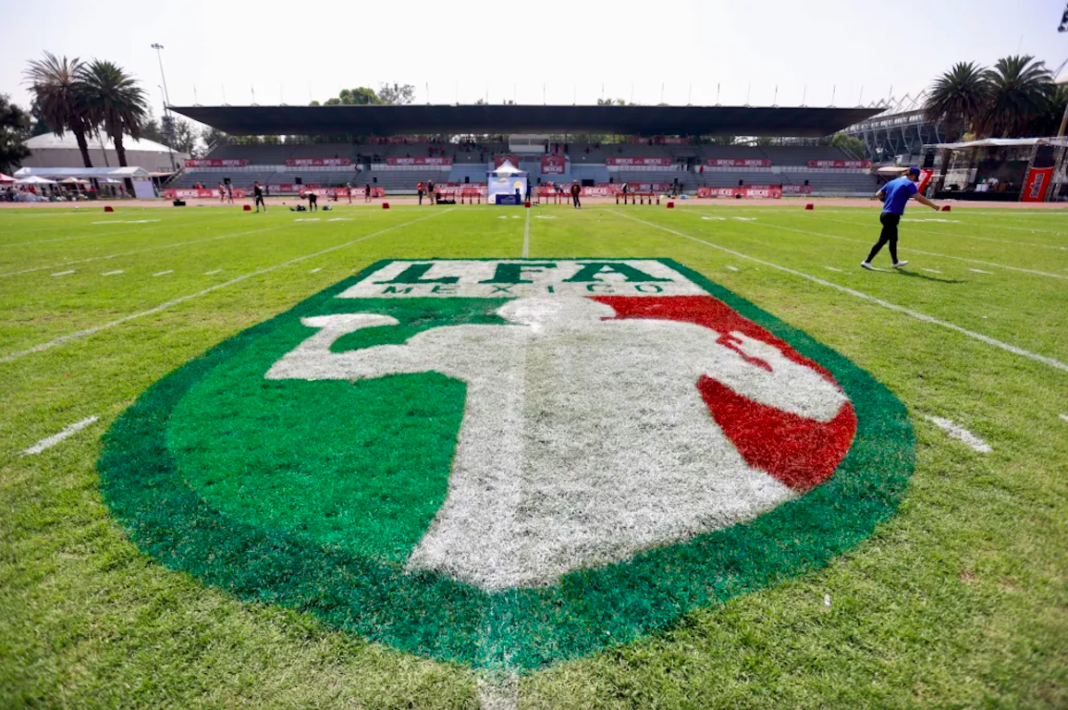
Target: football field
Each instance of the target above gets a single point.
(954, 595)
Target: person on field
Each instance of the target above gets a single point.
(257, 192)
(230, 194)
(419, 191)
(430, 192)
(313, 201)
(894, 195)
(367, 192)
(222, 192)
(575, 190)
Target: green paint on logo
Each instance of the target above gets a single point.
(312, 494)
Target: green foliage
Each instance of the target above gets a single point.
(113, 101)
(851, 145)
(1020, 91)
(959, 97)
(14, 130)
(396, 94)
(57, 86)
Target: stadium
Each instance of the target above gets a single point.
(388, 402)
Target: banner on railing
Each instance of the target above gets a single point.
(773, 192)
(797, 189)
(287, 188)
(317, 162)
(605, 189)
(738, 163)
(194, 194)
(438, 160)
(839, 163)
(553, 165)
(499, 160)
(641, 162)
(341, 191)
(216, 163)
(1036, 185)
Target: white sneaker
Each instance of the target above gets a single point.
(867, 265)
(899, 264)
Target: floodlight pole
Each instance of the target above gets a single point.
(166, 105)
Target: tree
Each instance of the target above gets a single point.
(611, 102)
(360, 96)
(58, 91)
(958, 98)
(212, 137)
(396, 94)
(851, 145)
(1020, 90)
(1050, 121)
(14, 130)
(114, 100)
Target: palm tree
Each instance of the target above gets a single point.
(115, 101)
(57, 88)
(1020, 90)
(958, 98)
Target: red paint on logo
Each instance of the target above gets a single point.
(801, 453)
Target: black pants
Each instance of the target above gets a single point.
(313, 204)
(259, 201)
(575, 197)
(887, 236)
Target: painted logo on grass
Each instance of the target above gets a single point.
(509, 462)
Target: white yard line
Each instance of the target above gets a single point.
(831, 268)
(1048, 361)
(112, 273)
(950, 234)
(1064, 417)
(316, 270)
(63, 273)
(138, 251)
(960, 433)
(164, 273)
(49, 442)
(526, 236)
(933, 271)
(498, 693)
(209, 273)
(732, 268)
(925, 253)
(64, 339)
(105, 234)
(980, 271)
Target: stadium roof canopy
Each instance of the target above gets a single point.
(430, 119)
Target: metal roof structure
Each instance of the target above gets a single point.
(385, 120)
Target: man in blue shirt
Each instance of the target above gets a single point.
(894, 195)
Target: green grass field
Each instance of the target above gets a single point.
(960, 601)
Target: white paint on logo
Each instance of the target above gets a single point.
(584, 440)
(960, 434)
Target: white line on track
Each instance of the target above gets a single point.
(49, 442)
(957, 236)
(831, 268)
(980, 271)
(925, 253)
(63, 273)
(316, 270)
(77, 335)
(526, 236)
(112, 273)
(139, 251)
(960, 434)
(164, 273)
(209, 273)
(732, 268)
(1048, 361)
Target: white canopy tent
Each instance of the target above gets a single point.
(506, 185)
(34, 180)
(141, 178)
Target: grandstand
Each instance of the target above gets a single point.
(438, 145)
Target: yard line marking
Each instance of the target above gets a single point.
(138, 251)
(498, 693)
(980, 271)
(933, 271)
(1064, 417)
(526, 237)
(960, 433)
(63, 273)
(926, 253)
(64, 339)
(1051, 362)
(49, 442)
(126, 221)
(950, 234)
(732, 268)
(209, 273)
(112, 273)
(316, 270)
(164, 273)
(88, 236)
(831, 268)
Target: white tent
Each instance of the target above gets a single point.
(98, 173)
(506, 185)
(34, 180)
(49, 150)
(6, 178)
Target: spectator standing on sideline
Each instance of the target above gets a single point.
(575, 190)
(419, 191)
(257, 192)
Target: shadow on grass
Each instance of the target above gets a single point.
(914, 275)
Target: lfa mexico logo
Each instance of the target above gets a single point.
(509, 462)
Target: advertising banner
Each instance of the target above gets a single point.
(438, 160)
(773, 192)
(193, 194)
(498, 160)
(839, 163)
(216, 163)
(640, 162)
(553, 165)
(317, 162)
(1036, 185)
(738, 163)
(797, 189)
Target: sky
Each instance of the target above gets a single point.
(766, 52)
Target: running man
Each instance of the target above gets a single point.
(894, 195)
(257, 192)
